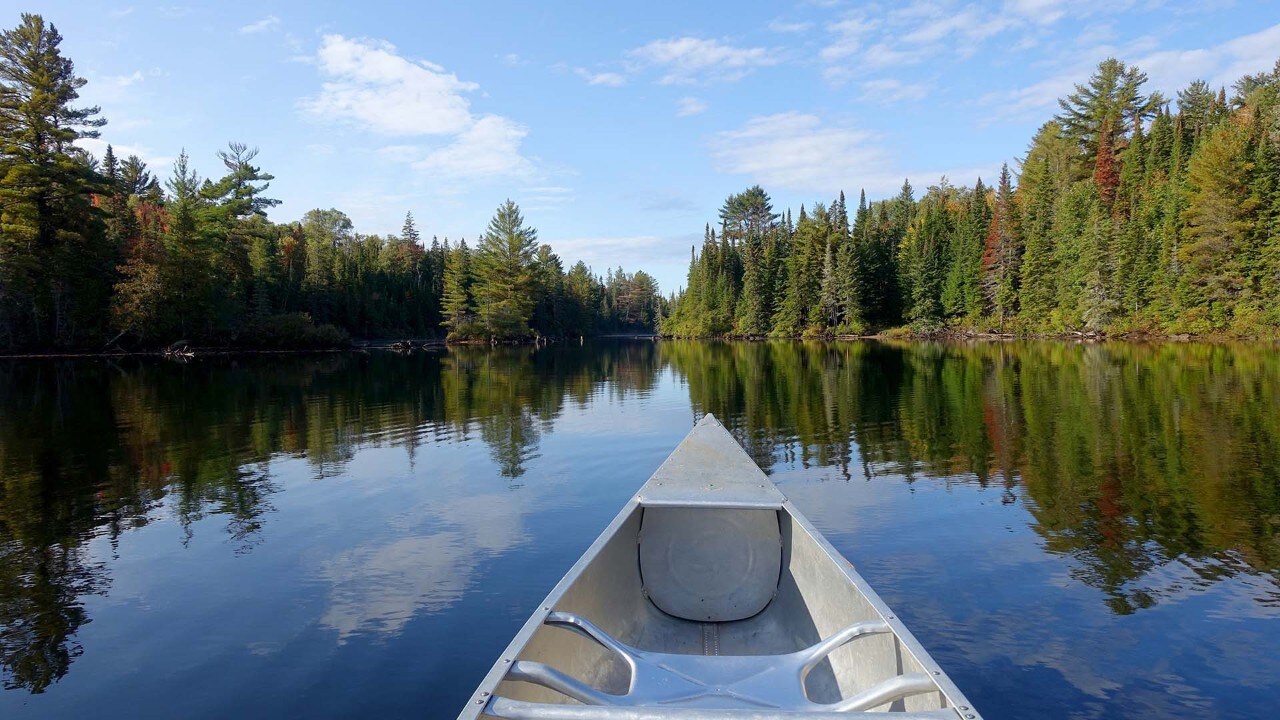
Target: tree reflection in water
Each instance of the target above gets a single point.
(1129, 458)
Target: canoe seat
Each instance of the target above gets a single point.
(710, 564)
(671, 681)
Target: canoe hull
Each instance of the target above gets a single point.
(814, 594)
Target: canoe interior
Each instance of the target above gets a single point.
(813, 598)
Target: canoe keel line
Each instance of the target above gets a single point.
(710, 596)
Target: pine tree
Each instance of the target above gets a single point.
(962, 290)
(505, 280)
(190, 267)
(1098, 303)
(139, 182)
(1220, 215)
(1110, 104)
(1106, 173)
(241, 190)
(829, 290)
(1196, 107)
(804, 274)
(923, 259)
(1002, 253)
(55, 273)
(1037, 273)
(409, 231)
(456, 305)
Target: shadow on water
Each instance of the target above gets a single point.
(1128, 458)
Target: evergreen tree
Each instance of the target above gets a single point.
(1196, 107)
(1002, 253)
(457, 306)
(240, 190)
(505, 280)
(55, 271)
(1106, 174)
(962, 289)
(138, 181)
(409, 231)
(1220, 216)
(1037, 279)
(1111, 103)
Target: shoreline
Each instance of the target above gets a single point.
(1092, 336)
(187, 352)
(409, 346)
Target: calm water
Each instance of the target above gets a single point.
(1072, 531)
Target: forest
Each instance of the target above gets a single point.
(99, 253)
(1130, 213)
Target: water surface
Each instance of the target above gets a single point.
(1071, 530)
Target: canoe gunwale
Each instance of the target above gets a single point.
(908, 641)
(480, 697)
(521, 710)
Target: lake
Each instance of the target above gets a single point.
(1072, 530)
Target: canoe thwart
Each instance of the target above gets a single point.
(726, 681)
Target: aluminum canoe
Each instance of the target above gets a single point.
(711, 596)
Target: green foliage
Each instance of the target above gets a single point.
(55, 263)
(504, 274)
(94, 253)
(291, 331)
(1126, 217)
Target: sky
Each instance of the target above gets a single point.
(619, 129)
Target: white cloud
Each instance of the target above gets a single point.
(796, 152)
(1043, 12)
(98, 147)
(889, 55)
(124, 80)
(379, 90)
(371, 87)
(888, 91)
(850, 33)
(1221, 64)
(489, 148)
(608, 79)
(1168, 70)
(782, 26)
(544, 198)
(270, 22)
(687, 60)
(1028, 100)
(117, 91)
(633, 252)
(687, 106)
(913, 32)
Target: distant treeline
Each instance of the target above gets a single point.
(96, 253)
(1127, 216)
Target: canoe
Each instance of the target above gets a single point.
(711, 596)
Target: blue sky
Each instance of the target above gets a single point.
(618, 129)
